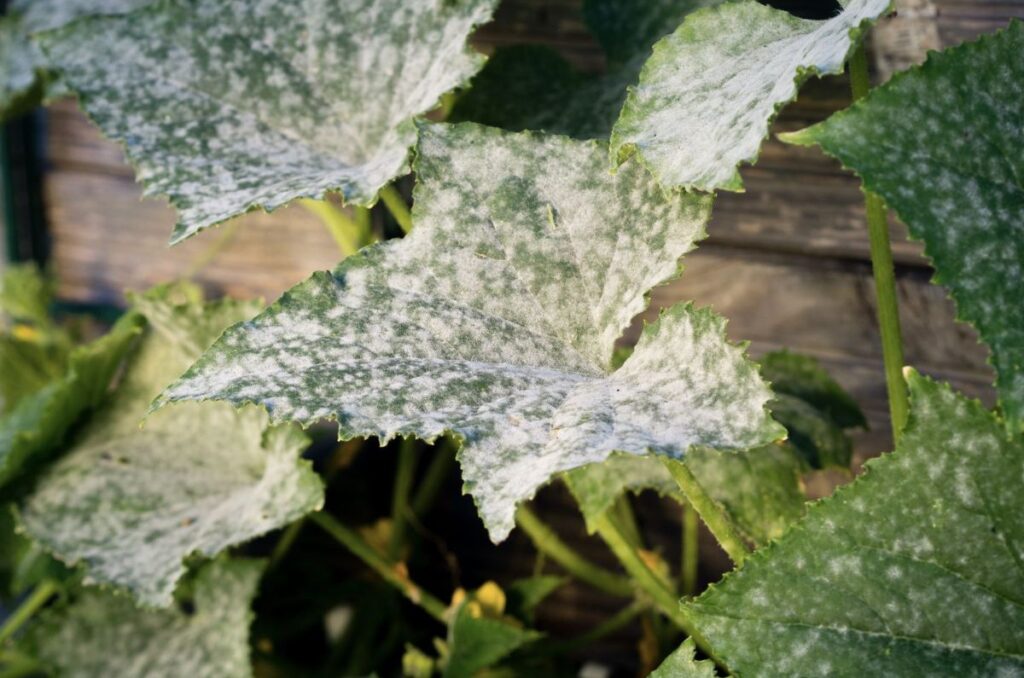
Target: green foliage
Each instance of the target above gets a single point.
(683, 663)
(952, 168)
(205, 636)
(132, 503)
(912, 570)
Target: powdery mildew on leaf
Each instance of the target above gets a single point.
(20, 65)
(944, 145)
(132, 503)
(914, 569)
(228, 106)
(105, 634)
(709, 91)
(595, 487)
(43, 15)
(496, 319)
(683, 663)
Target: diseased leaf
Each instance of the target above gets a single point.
(229, 106)
(914, 569)
(43, 15)
(534, 87)
(683, 663)
(132, 503)
(943, 145)
(105, 634)
(33, 430)
(496, 319)
(709, 91)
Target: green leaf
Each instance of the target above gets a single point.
(132, 503)
(803, 377)
(25, 295)
(534, 87)
(105, 634)
(33, 430)
(496, 319)
(710, 90)
(914, 569)
(595, 487)
(820, 442)
(683, 663)
(478, 642)
(760, 489)
(942, 145)
(44, 15)
(229, 106)
(524, 595)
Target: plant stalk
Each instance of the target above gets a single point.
(710, 512)
(342, 228)
(395, 203)
(649, 582)
(400, 495)
(607, 627)
(393, 575)
(691, 551)
(549, 543)
(884, 273)
(38, 598)
(433, 478)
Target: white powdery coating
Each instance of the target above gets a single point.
(903, 573)
(709, 91)
(132, 503)
(105, 634)
(952, 166)
(19, 61)
(496, 319)
(44, 15)
(229, 106)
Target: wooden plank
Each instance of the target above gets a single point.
(105, 240)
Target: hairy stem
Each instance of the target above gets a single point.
(400, 495)
(389, 572)
(549, 543)
(691, 551)
(396, 205)
(648, 581)
(711, 512)
(38, 598)
(885, 276)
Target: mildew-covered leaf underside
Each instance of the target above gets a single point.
(132, 503)
(944, 145)
(496, 319)
(709, 91)
(915, 569)
(230, 105)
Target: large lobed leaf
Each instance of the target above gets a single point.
(683, 663)
(496, 319)
(104, 634)
(914, 569)
(228, 106)
(133, 503)
(943, 144)
(708, 93)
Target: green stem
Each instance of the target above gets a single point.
(351, 540)
(396, 205)
(548, 542)
(691, 550)
(649, 582)
(227, 235)
(626, 519)
(342, 228)
(284, 543)
(433, 479)
(885, 276)
(710, 512)
(400, 495)
(42, 593)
